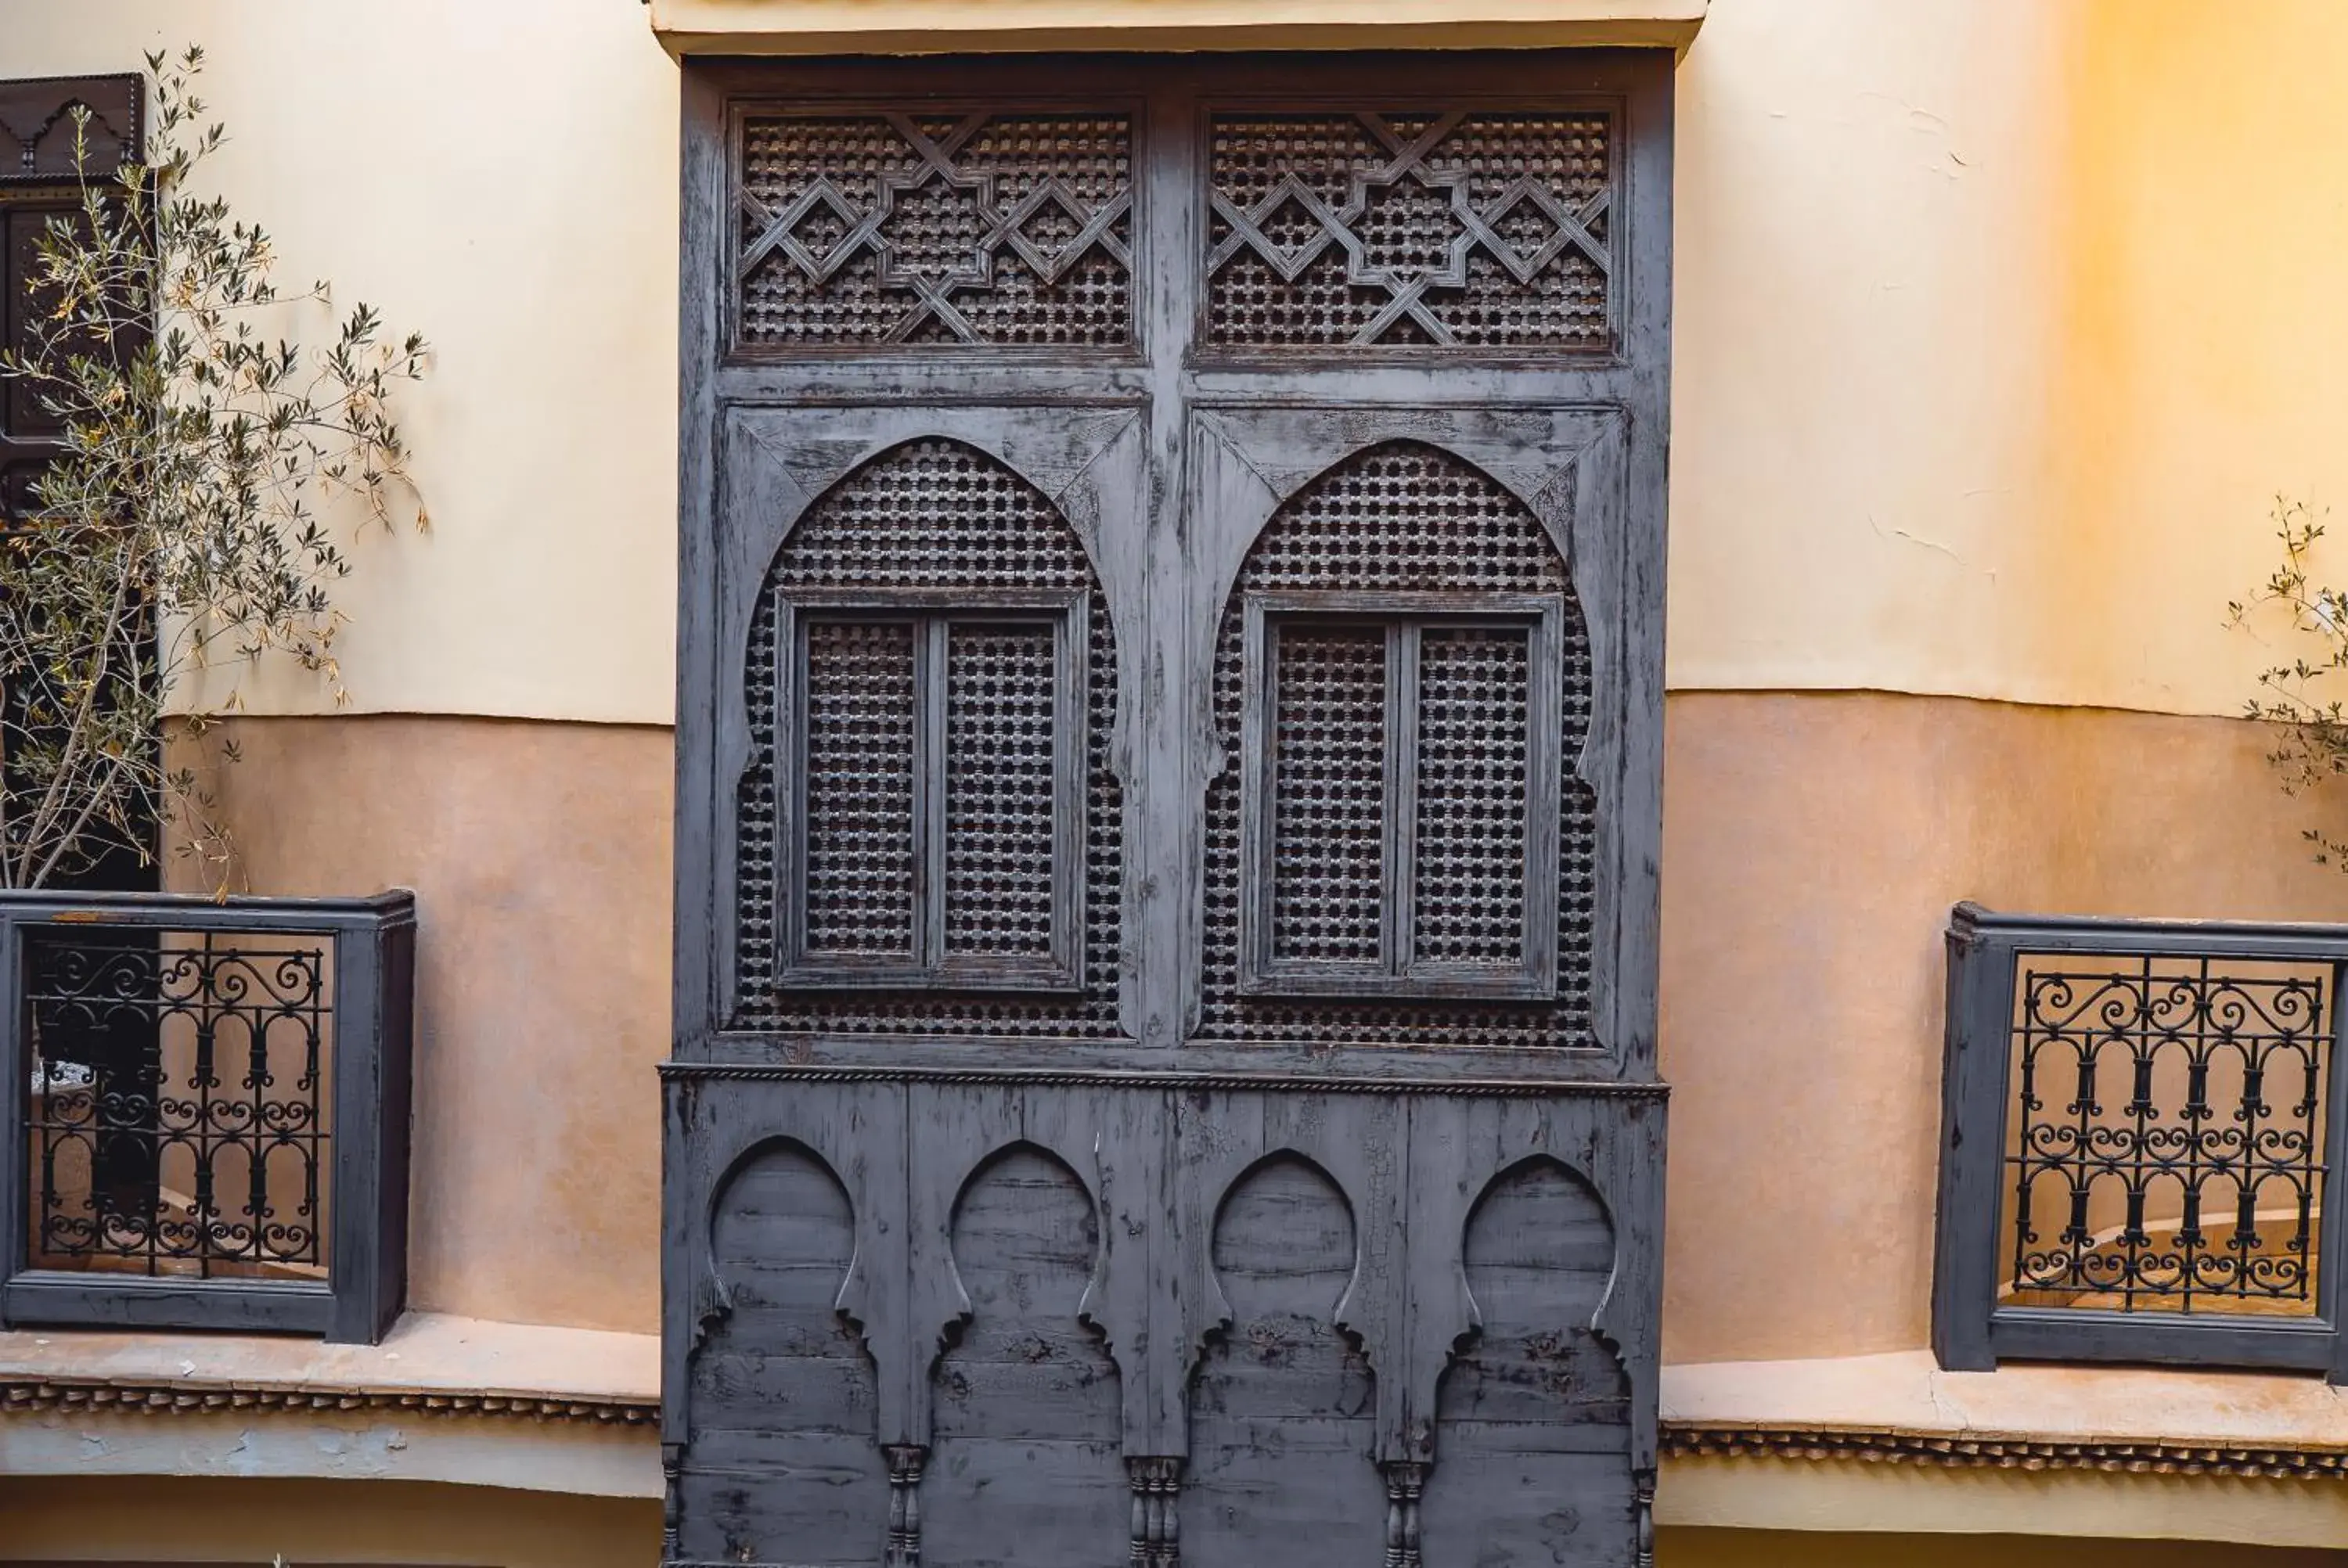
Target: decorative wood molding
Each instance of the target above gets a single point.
(708, 27)
(36, 131)
(85, 1396)
(1984, 1450)
(1227, 1082)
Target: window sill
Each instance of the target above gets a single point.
(443, 1399)
(1892, 1443)
(938, 27)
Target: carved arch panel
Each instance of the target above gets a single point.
(814, 1489)
(1533, 1422)
(1284, 1403)
(1453, 523)
(1026, 1462)
(923, 599)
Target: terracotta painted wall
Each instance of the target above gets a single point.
(171, 1520)
(540, 855)
(1812, 846)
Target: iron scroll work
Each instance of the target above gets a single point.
(208, 1117)
(2142, 1125)
(1168, 795)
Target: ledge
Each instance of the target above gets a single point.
(1893, 1443)
(940, 27)
(443, 1399)
(1904, 1406)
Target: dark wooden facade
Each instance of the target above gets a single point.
(1169, 802)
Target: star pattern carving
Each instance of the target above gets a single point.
(934, 289)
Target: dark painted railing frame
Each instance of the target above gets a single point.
(374, 991)
(1971, 1332)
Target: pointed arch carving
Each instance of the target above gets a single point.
(782, 1240)
(1533, 1416)
(941, 524)
(1026, 1462)
(1282, 1400)
(1404, 528)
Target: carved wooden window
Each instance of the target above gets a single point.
(860, 230)
(933, 828)
(1399, 829)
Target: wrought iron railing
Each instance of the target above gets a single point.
(210, 1107)
(2140, 1125)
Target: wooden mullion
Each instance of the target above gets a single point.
(930, 697)
(1071, 663)
(1400, 935)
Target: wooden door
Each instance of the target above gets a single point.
(1169, 711)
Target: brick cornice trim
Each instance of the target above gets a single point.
(1978, 1451)
(78, 1396)
(1681, 1440)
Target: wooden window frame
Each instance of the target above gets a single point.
(1406, 618)
(933, 613)
(1972, 1331)
(372, 987)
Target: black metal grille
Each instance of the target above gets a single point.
(1407, 517)
(936, 514)
(892, 229)
(177, 1114)
(1460, 230)
(2166, 1145)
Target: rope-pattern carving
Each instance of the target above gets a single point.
(888, 229)
(1454, 231)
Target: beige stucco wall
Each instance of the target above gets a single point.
(500, 177)
(1999, 323)
(178, 1520)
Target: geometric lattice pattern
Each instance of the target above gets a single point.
(892, 229)
(1404, 518)
(1001, 689)
(859, 788)
(929, 515)
(1450, 230)
(1328, 795)
(1474, 763)
(2166, 1143)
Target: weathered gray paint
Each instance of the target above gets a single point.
(1175, 1297)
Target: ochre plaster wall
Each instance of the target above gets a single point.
(1999, 322)
(1812, 846)
(540, 855)
(169, 1519)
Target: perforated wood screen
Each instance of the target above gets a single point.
(1170, 796)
